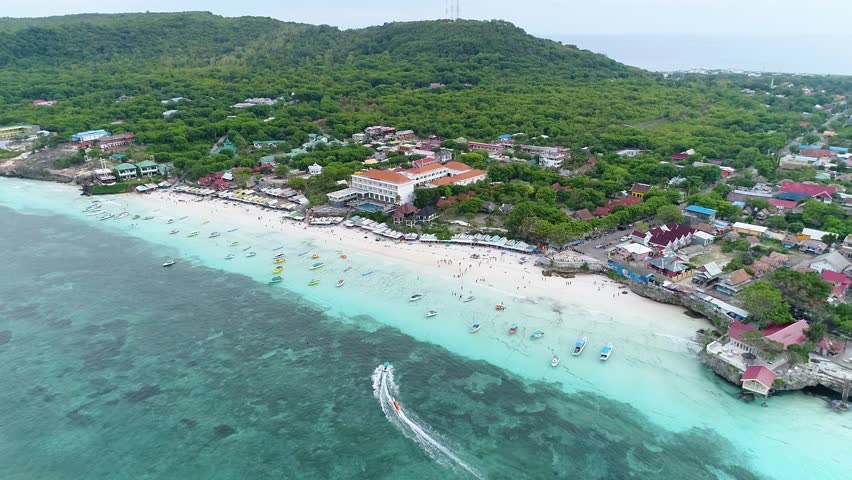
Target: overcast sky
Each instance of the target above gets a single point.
(542, 17)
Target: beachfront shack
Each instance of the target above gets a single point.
(758, 379)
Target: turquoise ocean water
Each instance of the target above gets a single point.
(114, 367)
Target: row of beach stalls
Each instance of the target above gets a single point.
(378, 228)
(148, 187)
(326, 221)
(244, 196)
(482, 240)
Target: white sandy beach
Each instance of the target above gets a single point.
(495, 269)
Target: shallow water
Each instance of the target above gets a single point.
(118, 367)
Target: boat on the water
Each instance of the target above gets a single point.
(469, 299)
(513, 329)
(107, 216)
(555, 361)
(276, 279)
(229, 256)
(368, 273)
(315, 256)
(415, 297)
(174, 232)
(193, 234)
(580, 346)
(247, 248)
(500, 307)
(250, 254)
(396, 406)
(343, 257)
(279, 261)
(340, 283)
(94, 212)
(121, 215)
(347, 269)
(171, 221)
(475, 328)
(277, 248)
(313, 282)
(278, 270)
(317, 266)
(147, 218)
(606, 351)
(214, 235)
(233, 230)
(169, 263)
(235, 243)
(431, 313)
(279, 255)
(537, 334)
(205, 222)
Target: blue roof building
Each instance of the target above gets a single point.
(796, 197)
(839, 149)
(700, 210)
(505, 136)
(89, 135)
(809, 147)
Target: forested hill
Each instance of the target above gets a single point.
(196, 38)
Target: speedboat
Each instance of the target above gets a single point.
(555, 361)
(235, 243)
(537, 334)
(415, 297)
(317, 266)
(606, 351)
(229, 256)
(279, 261)
(340, 283)
(431, 313)
(214, 235)
(396, 406)
(500, 307)
(475, 328)
(279, 255)
(315, 256)
(169, 263)
(313, 282)
(250, 254)
(276, 279)
(173, 232)
(278, 270)
(513, 329)
(468, 299)
(580, 345)
(193, 234)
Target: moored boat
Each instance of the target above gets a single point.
(431, 313)
(213, 235)
(317, 266)
(174, 232)
(149, 217)
(513, 329)
(500, 307)
(247, 248)
(580, 346)
(278, 270)
(537, 334)
(93, 213)
(469, 298)
(107, 216)
(415, 297)
(250, 254)
(343, 257)
(229, 256)
(233, 230)
(169, 263)
(340, 283)
(606, 351)
(171, 221)
(279, 255)
(315, 256)
(193, 234)
(313, 282)
(279, 261)
(475, 328)
(235, 243)
(276, 279)
(555, 361)
(347, 269)
(121, 215)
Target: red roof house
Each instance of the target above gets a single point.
(680, 156)
(829, 347)
(785, 204)
(840, 282)
(818, 153)
(793, 334)
(611, 204)
(822, 192)
(738, 328)
(584, 214)
(758, 379)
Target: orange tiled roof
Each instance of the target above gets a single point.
(424, 168)
(457, 166)
(463, 176)
(385, 176)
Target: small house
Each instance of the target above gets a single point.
(126, 170)
(700, 214)
(315, 169)
(147, 168)
(426, 214)
(734, 282)
(833, 261)
(748, 229)
(840, 282)
(672, 266)
(813, 246)
(632, 252)
(758, 379)
(706, 273)
(639, 190)
(584, 214)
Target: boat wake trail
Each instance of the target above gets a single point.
(386, 391)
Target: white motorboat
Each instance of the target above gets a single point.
(606, 351)
(580, 346)
(555, 361)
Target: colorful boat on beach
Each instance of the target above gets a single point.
(313, 282)
(415, 297)
(279, 261)
(278, 270)
(554, 361)
(340, 283)
(317, 266)
(193, 234)
(537, 334)
(606, 351)
(513, 329)
(276, 279)
(431, 313)
(580, 345)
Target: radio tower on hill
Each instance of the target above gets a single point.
(452, 9)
